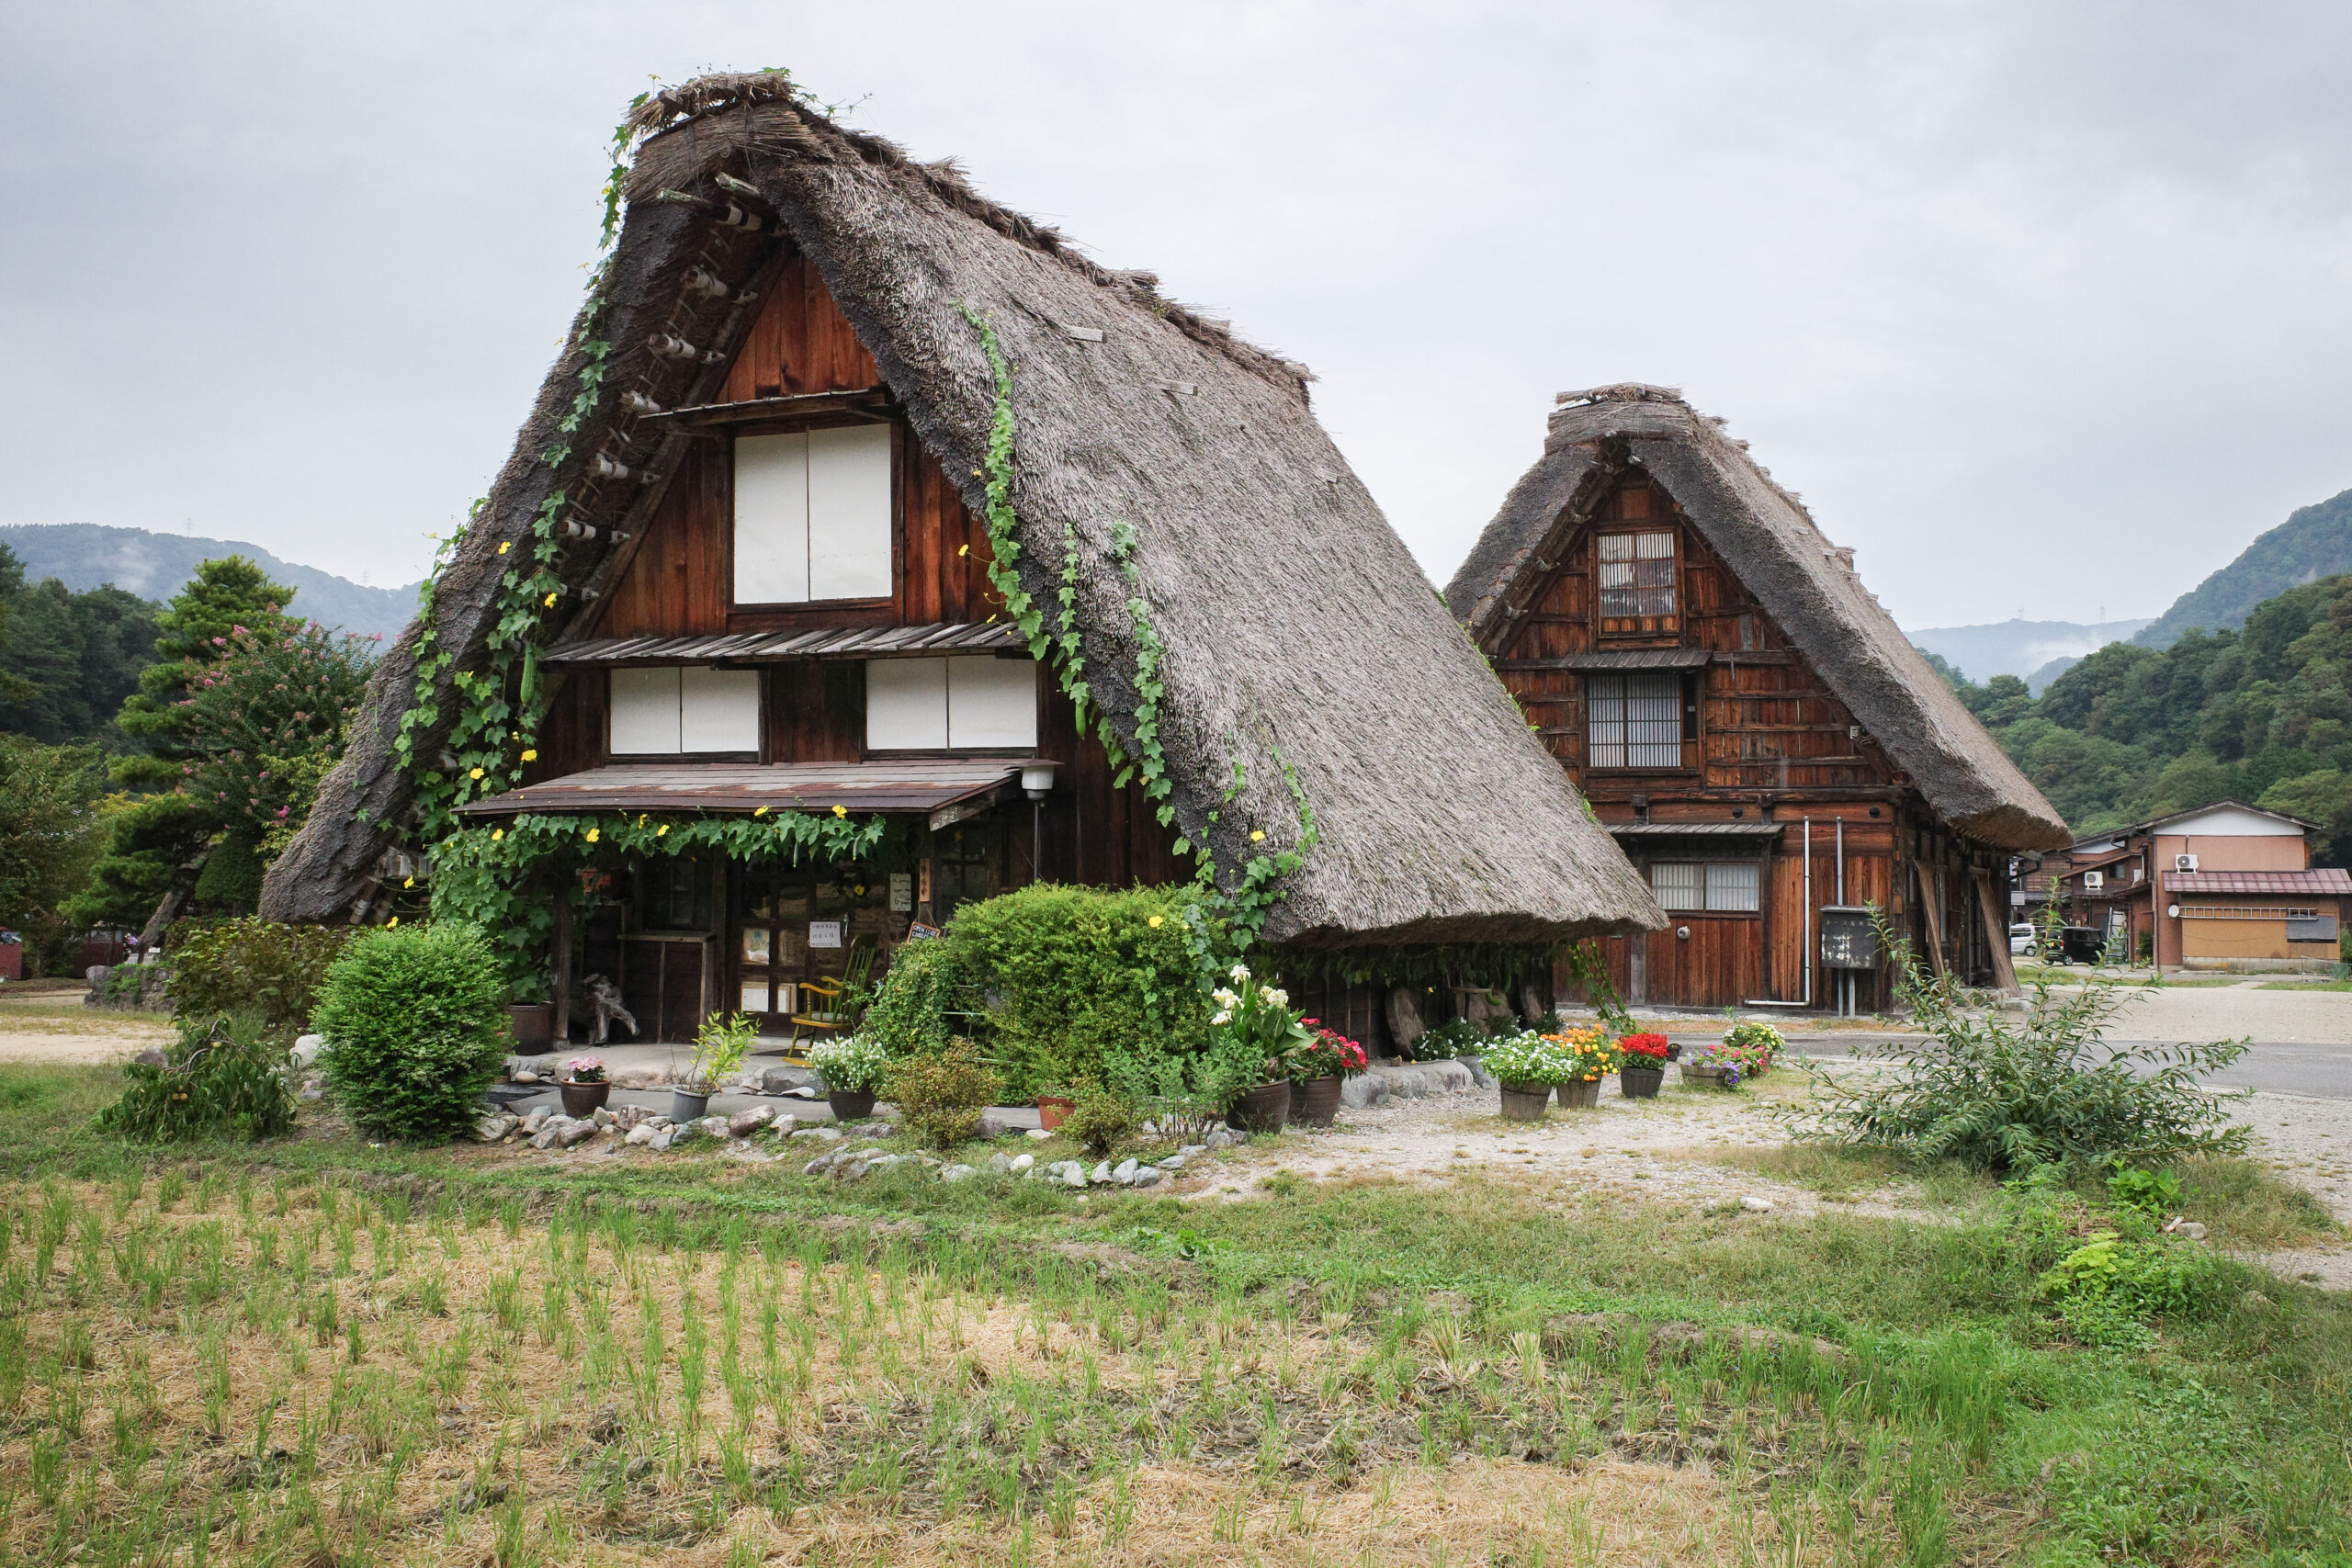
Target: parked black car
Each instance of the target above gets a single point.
(2079, 944)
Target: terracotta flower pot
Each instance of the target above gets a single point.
(1582, 1094)
(1314, 1103)
(1051, 1109)
(850, 1105)
(585, 1099)
(1262, 1110)
(1525, 1101)
(1640, 1083)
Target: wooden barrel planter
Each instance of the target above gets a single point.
(533, 1026)
(1263, 1109)
(1640, 1083)
(1525, 1101)
(1708, 1073)
(1315, 1102)
(1581, 1094)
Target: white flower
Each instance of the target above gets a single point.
(1241, 974)
(1275, 995)
(1224, 998)
(1225, 1017)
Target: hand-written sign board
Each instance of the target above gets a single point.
(1848, 940)
(824, 933)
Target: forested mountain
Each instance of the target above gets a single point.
(2314, 542)
(2020, 646)
(155, 566)
(2262, 714)
(68, 660)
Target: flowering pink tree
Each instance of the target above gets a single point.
(264, 722)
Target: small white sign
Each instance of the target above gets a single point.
(903, 892)
(824, 933)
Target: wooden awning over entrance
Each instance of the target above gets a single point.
(948, 789)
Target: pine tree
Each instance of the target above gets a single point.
(223, 596)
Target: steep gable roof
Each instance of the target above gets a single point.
(1804, 581)
(1297, 628)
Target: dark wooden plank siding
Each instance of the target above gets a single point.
(817, 712)
(799, 342)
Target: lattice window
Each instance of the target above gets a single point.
(2243, 912)
(1718, 887)
(1637, 579)
(1634, 720)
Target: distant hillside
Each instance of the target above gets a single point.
(2019, 647)
(2314, 542)
(153, 566)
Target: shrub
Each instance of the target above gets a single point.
(1079, 978)
(2000, 1092)
(256, 966)
(940, 1097)
(1454, 1037)
(911, 1013)
(415, 1024)
(854, 1064)
(1101, 1120)
(228, 1081)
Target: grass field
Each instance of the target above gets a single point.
(320, 1352)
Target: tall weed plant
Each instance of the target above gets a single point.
(269, 972)
(2003, 1092)
(228, 1080)
(416, 1028)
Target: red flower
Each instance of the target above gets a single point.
(1653, 1045)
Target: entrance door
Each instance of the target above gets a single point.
(794, 924)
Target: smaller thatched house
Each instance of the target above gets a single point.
(1748, 721)
(772, 597)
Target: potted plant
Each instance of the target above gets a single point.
(1256, 1037)
(1055, 1104)
(1715, 1068)
(721, 1046)
(1327, 1059)
(1587, 1056)
(585, 1086)
(1528, 1065)
(1644, 1068)
(1752, 1046)
(853, 1067)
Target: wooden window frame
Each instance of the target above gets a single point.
(1633, 626)
(1755, 863)
(1691, 701)
(782, 614)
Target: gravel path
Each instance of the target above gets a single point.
(1674, 1149)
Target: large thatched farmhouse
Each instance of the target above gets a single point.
(757, 492)
(1749, 722)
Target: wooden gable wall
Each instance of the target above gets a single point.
(1768, 724)
(675, 583)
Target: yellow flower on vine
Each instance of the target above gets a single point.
(1257, 835)
(496, 834)
(1155, 923)
(475, 775)
(640, 818)
(390, 923)
(530, 753)
(841, 811)
(548, 603)
(593, 835)
(505, 545)
(408, 881)
(761, 811)
(661, 830)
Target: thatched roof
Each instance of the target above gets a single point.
(1293, 616)
(1806, 584)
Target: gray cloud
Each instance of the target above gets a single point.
(2042, 307)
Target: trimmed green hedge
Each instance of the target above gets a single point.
(416, 1028)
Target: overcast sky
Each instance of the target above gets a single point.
(2043, 306)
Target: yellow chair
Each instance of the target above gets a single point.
(820, 1017)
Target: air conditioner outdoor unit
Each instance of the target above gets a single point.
(2092, 881)
(2184, 863)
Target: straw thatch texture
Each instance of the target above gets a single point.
(1804, 581)
(1295, 623)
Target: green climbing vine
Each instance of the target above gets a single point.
(1240, 912)
(495, 732)
(482, 874)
